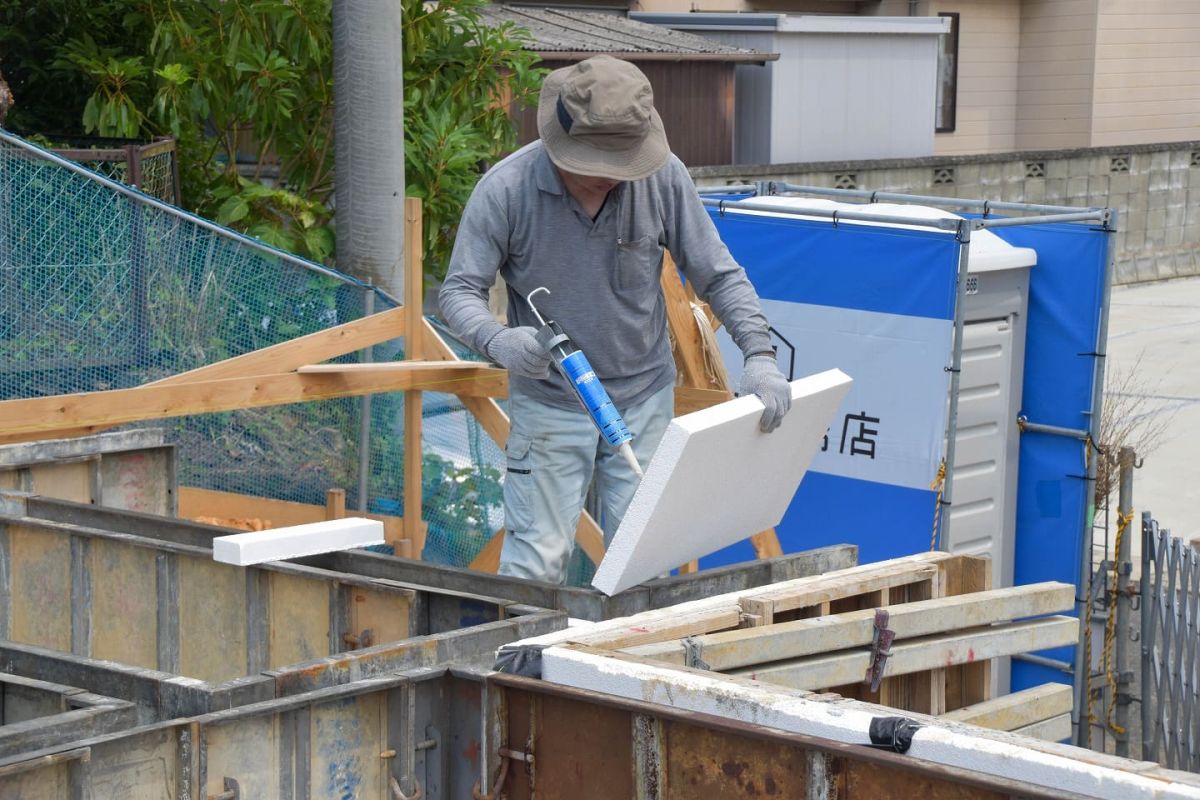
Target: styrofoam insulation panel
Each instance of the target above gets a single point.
(716, 479)
(950, 744)
(310, 539)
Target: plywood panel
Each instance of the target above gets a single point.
(47, 783)
(10, 479)
(347, 738)
(64, 481)
(124, 612)
(299, 619)
(212, 620)
(385, 614)
(41, 587)
(247, 750)
(141, 480)
(687, 506)
(135, 768)
(707, 763)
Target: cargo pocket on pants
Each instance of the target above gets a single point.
(518, 484)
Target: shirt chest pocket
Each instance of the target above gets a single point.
(638, 262)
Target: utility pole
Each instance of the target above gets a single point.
(368, 84)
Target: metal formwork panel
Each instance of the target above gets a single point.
(131, 470)
(419, 732)
(581, 603)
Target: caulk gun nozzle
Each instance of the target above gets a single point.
(627, 452)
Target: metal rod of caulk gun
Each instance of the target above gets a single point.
(574, 366)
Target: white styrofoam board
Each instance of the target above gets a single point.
(297, 540)
(716, 479)
(951, 744)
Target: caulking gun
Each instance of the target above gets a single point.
(579, 373)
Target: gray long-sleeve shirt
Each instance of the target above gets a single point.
(603, 274)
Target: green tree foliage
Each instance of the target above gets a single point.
(460, 77)
(252, 80)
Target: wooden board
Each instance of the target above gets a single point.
(805, 637)
(319, 346)
(1019, 709)
(920, 654)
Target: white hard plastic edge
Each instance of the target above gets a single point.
(849, 721)
(243, 549)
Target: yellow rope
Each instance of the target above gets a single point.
(1110, 628)
(939, 483)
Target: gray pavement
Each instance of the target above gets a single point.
(1154, 340)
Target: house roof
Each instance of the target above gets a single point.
(565, 34)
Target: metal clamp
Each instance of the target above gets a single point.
(364, 639)
(692, 648)
(398, 793)
(232, 791)
(496, 788)
(881, 648)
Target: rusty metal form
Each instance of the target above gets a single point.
(581, 603)
(132, 470)
(167, 606)
(405, 735)
(36, 714)
(583, 745)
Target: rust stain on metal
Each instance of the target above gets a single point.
(582, 752)
(865, 781)
(471, 753)
(708, 763)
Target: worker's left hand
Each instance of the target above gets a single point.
(761, 376)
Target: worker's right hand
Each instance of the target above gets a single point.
(518, 351)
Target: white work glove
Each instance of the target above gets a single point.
(761, 376)
(518, 351)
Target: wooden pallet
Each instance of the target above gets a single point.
(816, 634)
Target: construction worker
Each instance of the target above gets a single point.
(587, 211)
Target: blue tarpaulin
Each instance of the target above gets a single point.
(875, 284)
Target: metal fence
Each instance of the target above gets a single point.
(1170, 636)
(103, 286)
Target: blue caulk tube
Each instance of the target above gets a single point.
(579, 373)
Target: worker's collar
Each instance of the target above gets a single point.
(548, 179)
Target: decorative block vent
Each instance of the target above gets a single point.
(1118, 164)
(972, 284)
(846, 180)
(1195, 162)
(1035, 169)
(943, 176)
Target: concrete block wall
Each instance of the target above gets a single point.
(1155, 188)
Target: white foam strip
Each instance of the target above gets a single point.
(243, 549)
(848, 721)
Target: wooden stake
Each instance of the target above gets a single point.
(335, 504)
(414, 336)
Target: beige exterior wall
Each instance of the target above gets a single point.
(988, 45)
(1147, 73)
(1056, 73)
(1048, 74)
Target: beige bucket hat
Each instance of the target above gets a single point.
(597, 118)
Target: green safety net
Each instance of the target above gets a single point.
(105, 287)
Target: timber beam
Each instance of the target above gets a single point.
(805, 637)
